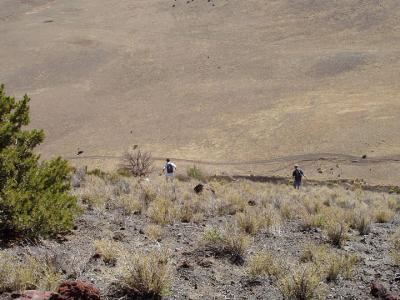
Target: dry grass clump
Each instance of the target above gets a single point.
(395, 251)
(251, 221)
(328, 263)
(145, 275)
(147, 194)
(192, 209)
(108, 250)
(360, 220)
(383, 215)
(263, 264)
(230, 203)
(129, 204)
(95, 193)
(337, 232)
(229, 242)
(311, 221)
(162, 211)
(28, 273)
(154, 232)
(302, 283)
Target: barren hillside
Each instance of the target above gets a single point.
(213, 80)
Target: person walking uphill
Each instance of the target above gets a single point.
(297, 175)
(169, 170)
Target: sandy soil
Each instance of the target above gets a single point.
(211, 80)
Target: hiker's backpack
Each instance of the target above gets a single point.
(170, 168)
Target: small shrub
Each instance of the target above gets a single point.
(145, 275)
(108, 250)
(154, 232)
(196, 173)
(302, 284)
(29, 273)
(137, 163)
(263, 264)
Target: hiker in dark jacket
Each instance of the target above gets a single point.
(169, 170)
(297, 175)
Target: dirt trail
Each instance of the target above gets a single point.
(311, 157)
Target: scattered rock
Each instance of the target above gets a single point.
(364, 156)
(71, 290)
(118, 236)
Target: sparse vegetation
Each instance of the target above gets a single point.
(337, 233)
(384, 215)
(28, 273)
(242, 215)
(302, 283)
(108, 250)
(196, 173)
(145, 275)
(154, 232)
(230, 242)
(263, 264)
(250, 221)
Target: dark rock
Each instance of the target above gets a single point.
(71, 290)
(252, 203)
(185, 265)
(198, 188)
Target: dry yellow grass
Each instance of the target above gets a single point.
(229, 241)
(108, 250)
(145, 275)
(28, 273)
(263, 264)
(154, 232)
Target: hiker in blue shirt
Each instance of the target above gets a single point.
(297, 175)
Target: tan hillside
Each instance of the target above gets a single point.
(212, 80)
